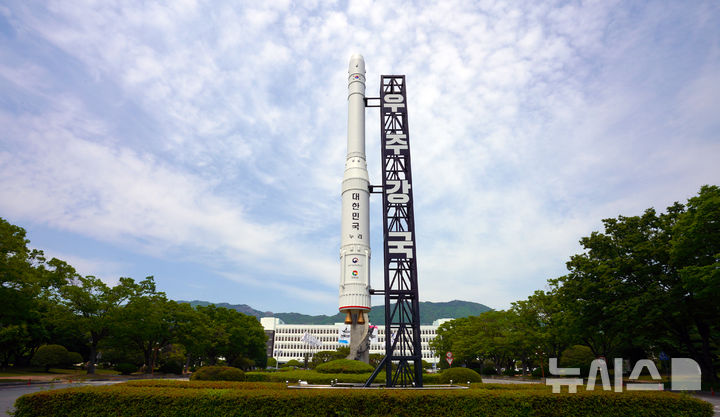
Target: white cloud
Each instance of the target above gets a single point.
(116, 195)
(218, 130)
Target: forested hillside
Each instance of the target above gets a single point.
(429, 312)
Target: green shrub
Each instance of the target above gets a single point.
(428, 379)
(126, 368)
(344, 366)
(577, 356)
(537, 373)
(271, 363)
(218, 373)
(111, 357)
(331, 355)
(55, 356)
(291, 363)
(459, 375)
(259, 376)
(489, 370)
(251, 399)
(243, 363)
(74, 358)
(180, 384)
(172, 366)
(314, 377)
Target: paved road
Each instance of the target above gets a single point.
(712, 399)
(509, 381)
(10, 393)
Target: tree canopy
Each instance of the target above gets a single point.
(48, 303)
(645, 285)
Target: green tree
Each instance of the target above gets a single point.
(695, 253)
(95, 305)
(491, 335)
(541, 326)
(27, 284)
(577, 356)
(650, 283)
(443, 341)
(193, 333)
(233, 335)
(617, 284)
(148, 323)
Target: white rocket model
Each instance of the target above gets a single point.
(355, 229)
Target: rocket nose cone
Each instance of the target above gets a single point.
(357, 64)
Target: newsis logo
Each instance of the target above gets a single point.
(684, 376)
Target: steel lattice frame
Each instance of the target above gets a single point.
(402, 309)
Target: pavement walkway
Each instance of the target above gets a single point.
(9, 393)
(712, 399)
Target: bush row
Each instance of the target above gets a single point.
(344, 366)
(173, 383)
(126, 400)
(459, 375)
(313, 377)
(218, 373)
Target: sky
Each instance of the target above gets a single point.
(203, 142)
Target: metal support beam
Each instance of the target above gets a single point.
(402, 308)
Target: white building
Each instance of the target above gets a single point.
(287, 341)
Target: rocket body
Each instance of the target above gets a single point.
(355, 226)
(355, 223)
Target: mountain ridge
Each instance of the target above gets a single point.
(429, 312)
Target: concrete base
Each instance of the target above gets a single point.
(359, 338)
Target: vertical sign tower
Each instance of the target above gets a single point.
(402, 309)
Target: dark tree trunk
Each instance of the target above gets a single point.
(706, 357)
(92, 359)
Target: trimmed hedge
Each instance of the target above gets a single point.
(313, 377)
(174, 383)
(218, 373)
(344, 366)
(55, 356)
(227, 400)
(459, 375)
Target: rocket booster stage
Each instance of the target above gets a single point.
(355, 229)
